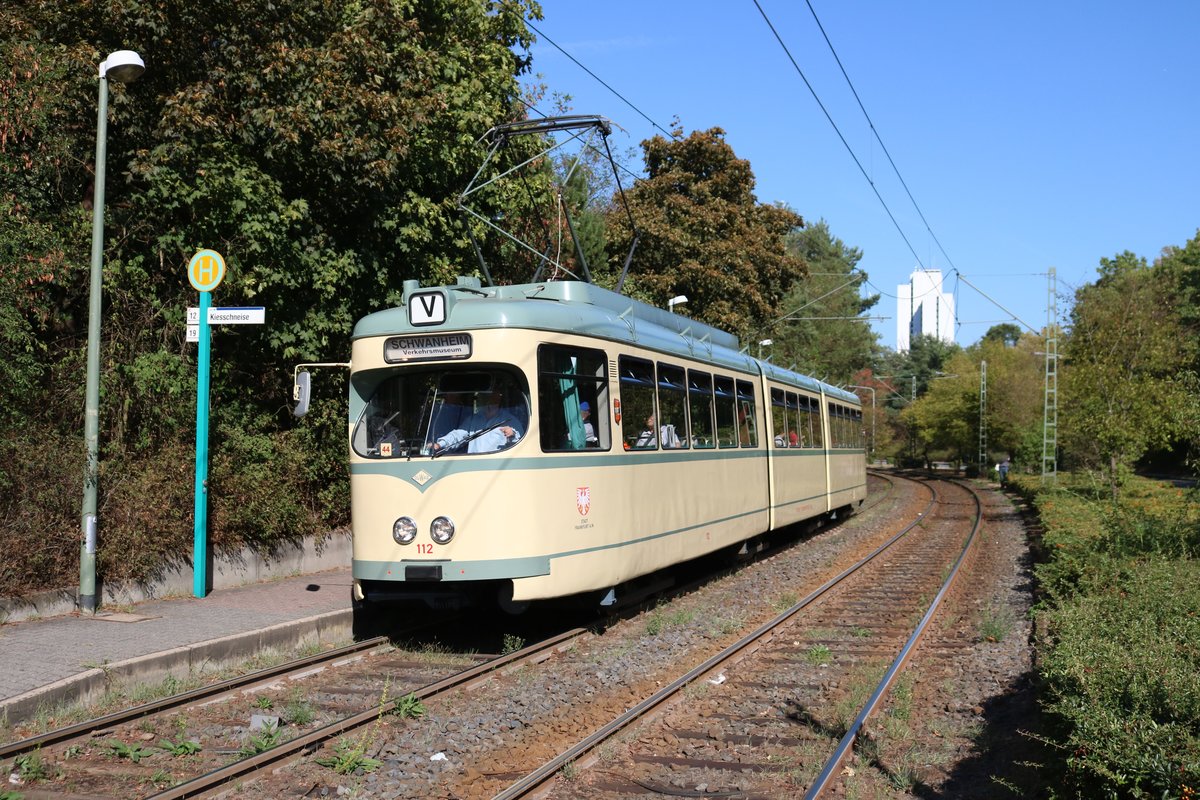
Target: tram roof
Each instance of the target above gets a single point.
(586, 309)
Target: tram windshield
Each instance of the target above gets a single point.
(443, 412)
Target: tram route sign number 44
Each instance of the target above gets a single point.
(224, 315)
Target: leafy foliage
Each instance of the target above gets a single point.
(1128, 387)
(820, 329)
(319, 146)
(704, 235)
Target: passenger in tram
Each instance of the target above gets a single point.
(649, 437)
(486, 431)
(589, 430)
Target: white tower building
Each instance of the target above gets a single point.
(923, 309)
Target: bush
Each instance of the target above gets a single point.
(1119, 621)
(1121, 677)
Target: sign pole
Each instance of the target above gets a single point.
(205, 271)
(203, 376)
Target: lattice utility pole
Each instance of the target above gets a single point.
(1050, 409)
(983, 451)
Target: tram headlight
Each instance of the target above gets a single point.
(404, 530)
(442, 530)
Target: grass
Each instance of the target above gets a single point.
(995, 623)
(299, 710)
(817, 655)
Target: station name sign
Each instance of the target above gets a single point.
(427, 348)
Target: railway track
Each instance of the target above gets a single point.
(858, 624)
(262, 719)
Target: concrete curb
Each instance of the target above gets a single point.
(90, 686)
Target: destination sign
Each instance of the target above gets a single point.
(427, 348)
(233, 315)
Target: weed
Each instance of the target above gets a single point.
(728, 626)
(817, 655)
(10, 795)
(409, 707)
(30, 767)
(298, 711)
(180, 747)
(682, 617)
(267, 738)
(860, 633)
(349, 757)
(902, 697)
(785, 601)
(134, 753)
(73, 751)
(162, 779)
(568, 771)
(511, 644)
(995, 623)
(656, 623)
(263, 703)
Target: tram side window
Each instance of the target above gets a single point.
(778, 418)
(637, 404)
(573, 398)
(700, 405)
(747, 415)
(795, 437)
(726, 407)
(836, 432)
(672, 406)
(818, 430)
(806, 421)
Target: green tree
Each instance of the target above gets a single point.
(821, 329)
(945, 419)
(1128, 385)
(1006, 333)
(703, 234)
(320, 146)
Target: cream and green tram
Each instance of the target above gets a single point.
(518, 443)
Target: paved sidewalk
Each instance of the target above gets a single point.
(75, 658)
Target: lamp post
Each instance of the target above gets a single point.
(123, 66)
(870, 389)
(677, 300)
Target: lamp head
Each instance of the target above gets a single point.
(123, 66)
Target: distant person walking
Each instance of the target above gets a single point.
(1003, 468)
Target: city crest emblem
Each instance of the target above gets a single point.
(583, 500)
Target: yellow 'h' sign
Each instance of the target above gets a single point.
(205, 270)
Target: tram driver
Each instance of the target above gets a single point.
(486, 431)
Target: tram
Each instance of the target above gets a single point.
(555, 439)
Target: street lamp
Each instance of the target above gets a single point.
(122, 66)
(764, 343)
(677, 300)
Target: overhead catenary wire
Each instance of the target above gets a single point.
(599, 80)
(875, 131)
(838, 131)
(954, 270)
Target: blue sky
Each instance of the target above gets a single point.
(1031, 135)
